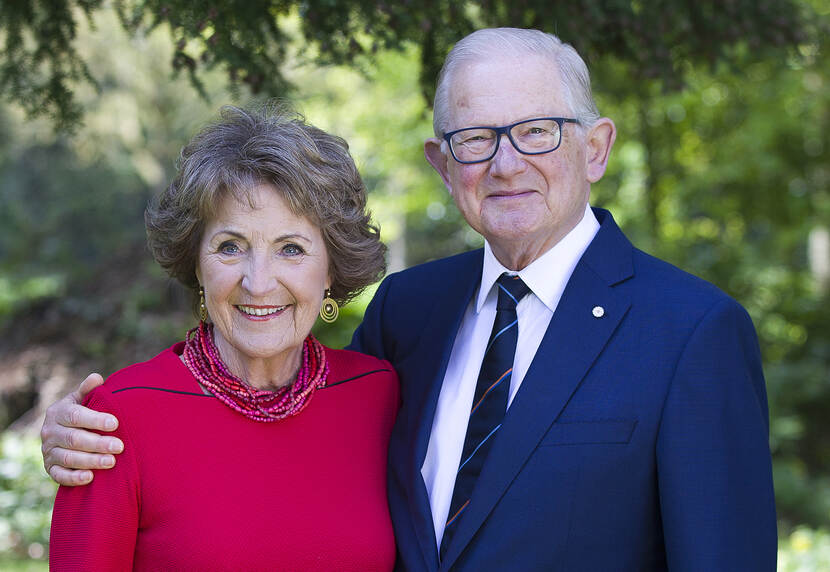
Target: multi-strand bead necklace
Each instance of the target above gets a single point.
(202, 359)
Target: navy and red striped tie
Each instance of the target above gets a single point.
(490, 401)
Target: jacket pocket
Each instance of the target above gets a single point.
(589, 432)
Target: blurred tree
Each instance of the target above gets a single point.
(727, 177)
(73, 266)
(248, 39)
(383, 117)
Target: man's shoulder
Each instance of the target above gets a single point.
(664, 283)
(429, 275)
(618, 261)
(450, 264)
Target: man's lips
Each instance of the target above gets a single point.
(506, 195)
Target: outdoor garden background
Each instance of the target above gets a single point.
(720, 166)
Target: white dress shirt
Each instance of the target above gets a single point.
(546, 277)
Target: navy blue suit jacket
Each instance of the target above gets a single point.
(638, 440)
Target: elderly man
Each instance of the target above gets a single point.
(569, 402)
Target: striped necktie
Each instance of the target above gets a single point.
(490, 401)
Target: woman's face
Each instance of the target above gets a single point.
(264, 271)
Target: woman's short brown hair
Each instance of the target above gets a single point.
(312, 170)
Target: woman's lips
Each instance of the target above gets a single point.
(260, 312)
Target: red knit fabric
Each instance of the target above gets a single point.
(200, 487)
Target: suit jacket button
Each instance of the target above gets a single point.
(598, 311)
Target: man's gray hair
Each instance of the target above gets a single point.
(491, 42)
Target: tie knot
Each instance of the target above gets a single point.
(511, 290)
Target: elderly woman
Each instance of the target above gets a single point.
(277, 458)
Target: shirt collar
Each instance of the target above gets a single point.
(547, 275)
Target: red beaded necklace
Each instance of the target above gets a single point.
(202, 359)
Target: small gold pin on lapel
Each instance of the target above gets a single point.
(598, 311)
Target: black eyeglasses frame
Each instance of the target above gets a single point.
(505, 130)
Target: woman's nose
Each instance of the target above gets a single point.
(260, 276)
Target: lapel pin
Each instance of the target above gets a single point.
(598, 311)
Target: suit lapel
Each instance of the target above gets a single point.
(573, 341)
(432, 357)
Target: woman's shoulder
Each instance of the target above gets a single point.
(363, 381)
(129, 389)
(347, 365)
(161, 369)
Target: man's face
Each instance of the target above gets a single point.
(522, 204)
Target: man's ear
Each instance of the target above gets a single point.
(434, 152)
(598, 142)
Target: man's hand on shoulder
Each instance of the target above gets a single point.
(69, 450)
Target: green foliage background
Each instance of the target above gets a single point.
(727, 177)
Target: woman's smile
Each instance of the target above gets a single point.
(264, 271)
(261, 312)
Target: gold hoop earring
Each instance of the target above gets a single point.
(329, 310)
(202, 307)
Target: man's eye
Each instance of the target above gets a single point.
(292, 250)
(534, 131)
(476, 139)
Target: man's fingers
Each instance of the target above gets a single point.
(69, 478)
(92, 381)
(61, 454)
(80, 440)
(63, 459)
(68, 445)
(74, 415)
(69, 413)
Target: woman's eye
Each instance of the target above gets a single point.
(292, 250)
(228, 248)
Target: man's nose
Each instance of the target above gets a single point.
(507, 160)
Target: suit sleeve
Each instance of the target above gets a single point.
(713, 457)
(368, 338)
(94, 527)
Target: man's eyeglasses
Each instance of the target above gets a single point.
(530, 137)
